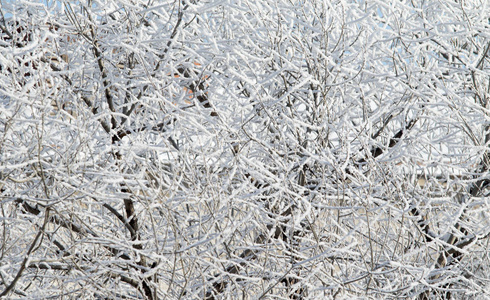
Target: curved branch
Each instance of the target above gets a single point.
(26, 258)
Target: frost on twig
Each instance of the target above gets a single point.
(244, 149)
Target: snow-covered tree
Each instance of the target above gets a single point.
(244, 149)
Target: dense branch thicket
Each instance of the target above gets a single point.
(244, 149)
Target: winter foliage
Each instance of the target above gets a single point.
(244, 149)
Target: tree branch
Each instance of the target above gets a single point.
(26, 258)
